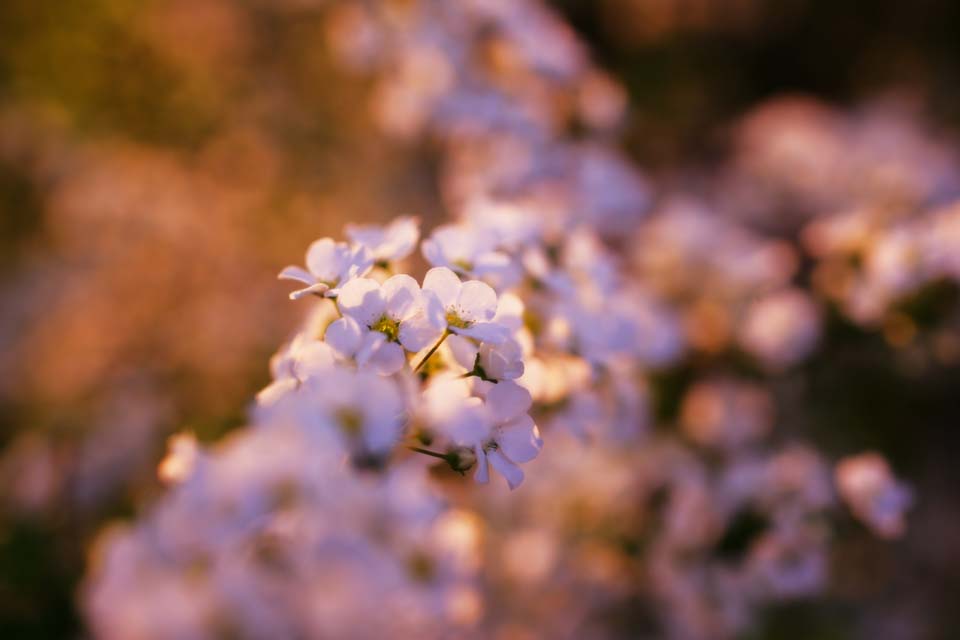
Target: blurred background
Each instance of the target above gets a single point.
(161, 161)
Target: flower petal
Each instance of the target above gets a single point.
(402, 296)
(476, 301)
(344, 336)
(418, 332)
(298, 274)
(433, 253)
(520, 439)
(362, 300)
(313, 358)
(387, 358)
(485, 331)
(508, 400)
(507, 469)
(401, 238)
(482, 476)
(314, 289)
(445, 284)
(355, 263)
(464, 351)
(324, 257)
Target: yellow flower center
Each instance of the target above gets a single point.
(464, 266)
(388, 327)
(456, 321)
(350, 421)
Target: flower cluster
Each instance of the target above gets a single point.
(652, 346)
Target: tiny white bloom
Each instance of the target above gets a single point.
(389, 243)
(464, 308)
(515, 437)
(351, 341)
(303, 358)
(330, 265)
(366, 409)
(380, 321)
(488, 361)
(467, 251)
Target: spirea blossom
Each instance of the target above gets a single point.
(610, 363)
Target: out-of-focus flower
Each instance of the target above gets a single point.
(467, 252)
(867, 485)
(330, 265)
(781, 329)
(387, 244)
(181, 458)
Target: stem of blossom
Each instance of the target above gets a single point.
(427, 452)
(336, 307)
(433, 349)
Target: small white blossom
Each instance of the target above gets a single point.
(514, 436)
(302, 358)
(463, 308)
(467, 251)
(388, 243)
(352, 341)
(330, 265)
(867, 485)
(380, 321)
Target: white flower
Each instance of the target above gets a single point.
(351, 341)
(868, 486)
(330, 265)
(389, 243)
(514, 436)
(183, 454)
(464, 308)
(467, 251)
(366, 409)
(781, 329)
(498, 431)
(380, 321)
(303, 358)
(488, 361)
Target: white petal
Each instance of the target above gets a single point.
(402, 236)
(356, 263)
(510, 310)
(369, 345)
(464, 351)
(418, 332)
(402, 295)
(323, 259)
(344, 337)
(476, 302)
(314, 289)
(433, 309)
(520, 439)
(369, 235)
(445, 285)
(433, 253)
(492, 262)
(362, 300)
(507, 469)
(388, 358)
(482, 476)
(502, 362)
(485, 331)
(507, 400)
(298, 274)
(313, 358)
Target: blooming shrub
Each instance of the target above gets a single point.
(529, 355)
